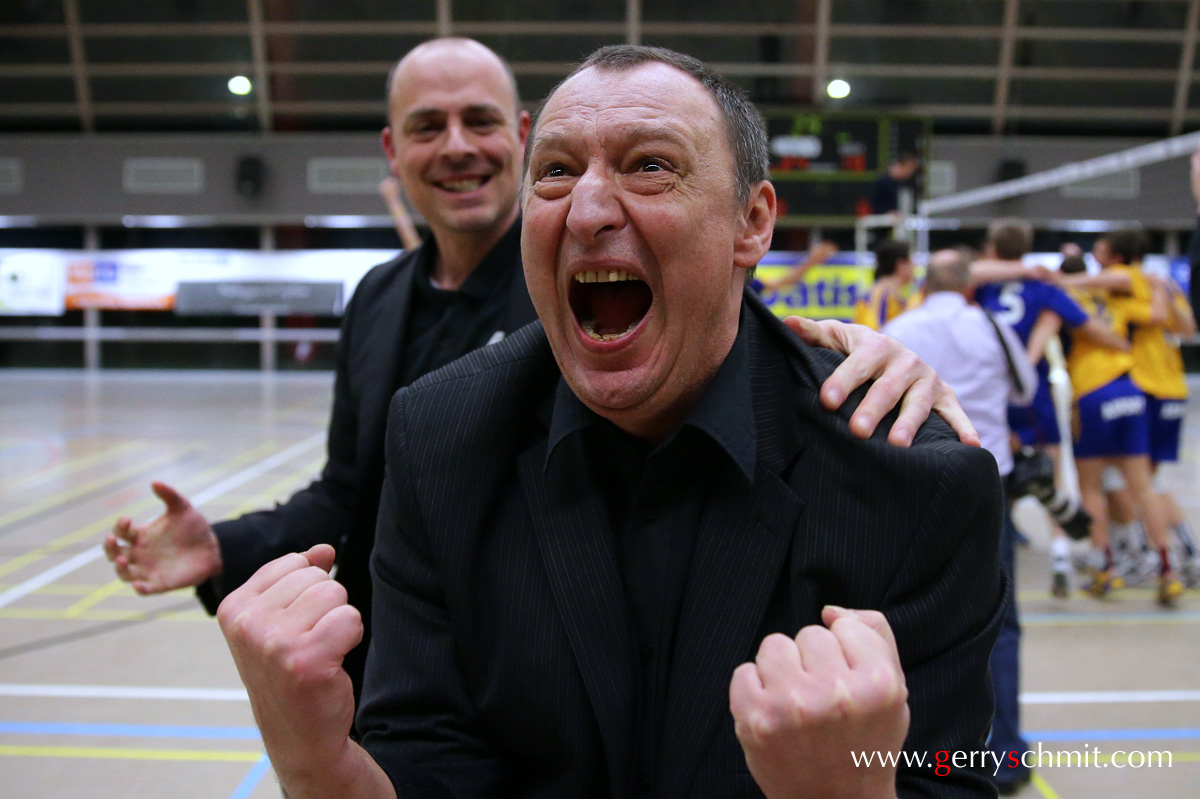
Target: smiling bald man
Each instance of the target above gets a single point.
(616, 551)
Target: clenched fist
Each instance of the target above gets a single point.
(289, 628)
(806, 703)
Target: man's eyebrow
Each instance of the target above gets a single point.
(429, 112)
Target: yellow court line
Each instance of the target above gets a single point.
(94, 598)
(1034, 595)
(1042, 786)
(122, 753)
(61, 589)
(88, 487)
(101, 614)
(131, 509)
(72, 465)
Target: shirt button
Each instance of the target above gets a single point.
(647, 651)
(649, 512)
(644, 785)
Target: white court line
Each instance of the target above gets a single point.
(207, 495)
(1106, 697)
(239, 695)
(123, 692)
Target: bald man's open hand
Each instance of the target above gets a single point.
(805, 704)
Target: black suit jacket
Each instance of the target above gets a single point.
(502, 662)
(341, 506)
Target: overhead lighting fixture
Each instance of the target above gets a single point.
(838, 89)
(240, 85)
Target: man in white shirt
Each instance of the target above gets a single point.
(981, 358)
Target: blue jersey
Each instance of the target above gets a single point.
(1020, 302)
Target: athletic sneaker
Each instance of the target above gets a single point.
(1101, 582)
(1169, 589)
(1060, 588)
(1135, 567)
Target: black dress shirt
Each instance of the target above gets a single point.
(655, 497)
(446, 324)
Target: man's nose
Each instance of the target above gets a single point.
(459, 142)
(595, 206)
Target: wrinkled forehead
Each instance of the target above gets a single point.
(658, 96)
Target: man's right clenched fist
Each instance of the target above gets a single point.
(805, 704)
(289, 628)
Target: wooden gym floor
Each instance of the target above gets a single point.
(107, 694)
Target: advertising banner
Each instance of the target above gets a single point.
(828, 291)
(32, 283)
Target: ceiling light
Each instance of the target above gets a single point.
(837, 89)
(240, 84)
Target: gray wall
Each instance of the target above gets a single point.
(72, 179)
(78, 179)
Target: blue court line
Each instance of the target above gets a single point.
(1088, 736)
(130, 730)
(251, 780)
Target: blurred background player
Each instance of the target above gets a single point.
(1112, 426)
(1158, 372)
(892, 292)
(1036, 310)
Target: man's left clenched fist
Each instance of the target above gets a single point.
(805, 704)
(288, 628)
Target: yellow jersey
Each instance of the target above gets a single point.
(883, 305)
(1092, 365)
(1157, 361)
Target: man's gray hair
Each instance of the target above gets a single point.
(948, 270)
(744, 125)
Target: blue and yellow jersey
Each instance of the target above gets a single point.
(883, 305)
(1157, 361)
(1092, 365)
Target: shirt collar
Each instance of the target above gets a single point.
(945, 300)
(724, 411)
(490, 276)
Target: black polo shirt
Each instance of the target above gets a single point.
(655, 496)
(446, 324)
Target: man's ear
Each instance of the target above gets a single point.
(523, 123)
(389, 148)
(758, 225)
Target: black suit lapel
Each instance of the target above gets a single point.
(734, 570)
(741, 549)
(572, 529)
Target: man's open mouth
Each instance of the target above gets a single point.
(609, 303)
(462, 185)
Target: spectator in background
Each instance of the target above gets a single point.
(884, 194)
(983, 361)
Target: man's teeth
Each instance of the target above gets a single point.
(589, 327)
(605, 276)
(466, 184)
